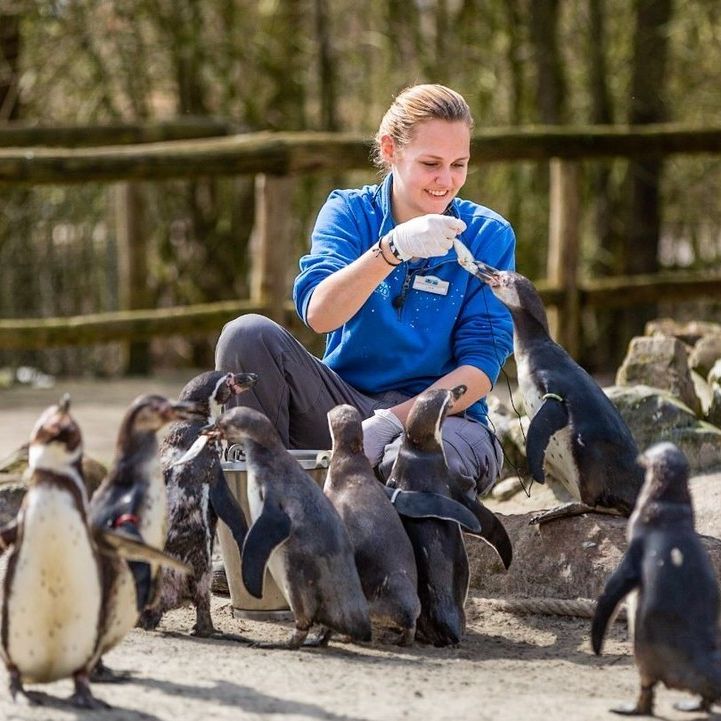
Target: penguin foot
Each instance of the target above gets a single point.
(630, 710)
(103, 674)
(565, 510)
(149, 619)
(16, 689)
(83, 696)
(319, 641)
(693, 705)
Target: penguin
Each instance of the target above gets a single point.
(55, 600)
(297, 533)
(383, 553)
(676, 630)
(438, 545)
(132, 499)
(576, 435)
(198, 495)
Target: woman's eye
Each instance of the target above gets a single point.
(429, 164)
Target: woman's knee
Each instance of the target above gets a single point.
(245, 340)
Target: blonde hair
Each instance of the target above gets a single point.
(413, 106)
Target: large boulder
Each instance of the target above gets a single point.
(705, 353)
(573, 557)
(655, 415)
(660, 362)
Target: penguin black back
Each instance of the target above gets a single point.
(676, 620)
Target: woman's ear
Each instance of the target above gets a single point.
(387, 148)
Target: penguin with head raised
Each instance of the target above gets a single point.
(576, 436)
(383, 553)
(297, 533)
(56, 601)
(132, 499)
(198, 495)
(676, 623)
(420, 470)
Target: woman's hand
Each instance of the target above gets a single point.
(425, 236)
(382, 428)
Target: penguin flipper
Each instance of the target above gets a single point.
(227, 508)
(551, 417)
(493, 532)
(621, 582)
(270, 529)
(424, 504)
(133, 548)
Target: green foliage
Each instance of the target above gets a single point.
(258, 63)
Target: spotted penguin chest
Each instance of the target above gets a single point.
(54, 594)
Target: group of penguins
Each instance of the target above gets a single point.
(355, 557)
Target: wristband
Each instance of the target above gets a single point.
(378, 250)
(392, 247)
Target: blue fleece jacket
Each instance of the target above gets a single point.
(404, 338)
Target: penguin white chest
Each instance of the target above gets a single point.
(154, 516)
(277, 563)
(54, 598)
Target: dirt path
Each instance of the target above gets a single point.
(507, 667)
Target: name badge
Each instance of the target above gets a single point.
(430, 284)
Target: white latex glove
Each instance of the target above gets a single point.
(425, 236)
(382, 428)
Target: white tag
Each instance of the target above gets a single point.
(431, 284)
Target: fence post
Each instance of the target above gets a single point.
(271, 246)
(563, 252)
(132, 251)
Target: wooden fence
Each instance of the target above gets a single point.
(193, 148)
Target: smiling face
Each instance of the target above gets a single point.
(429, 171)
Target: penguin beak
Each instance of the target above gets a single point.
(239, 382)
(482, 271)
(212, 431)
(486, 273)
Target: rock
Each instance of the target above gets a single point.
(653, 415)
(703, 392)
(689, 332)
(565, 559)
(509, 428)
(713, 414)
(11, 496)
(507, 488)
(705, 353)
(660, 362)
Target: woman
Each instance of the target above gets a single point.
(383, 282)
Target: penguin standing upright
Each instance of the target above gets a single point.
(197, 495)
(297, 533)
(440, 552)
(383, 554)
(676, 628)
(55, 600)
(132, 499)
(576, 435)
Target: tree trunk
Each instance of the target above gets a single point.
(551, 82)
(643, 178)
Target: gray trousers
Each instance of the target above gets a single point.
(295, 390)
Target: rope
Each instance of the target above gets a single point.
(578, 607)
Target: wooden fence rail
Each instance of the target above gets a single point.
(158, 152)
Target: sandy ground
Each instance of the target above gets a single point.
(508, 667)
